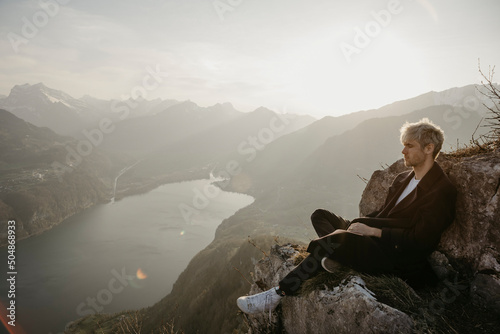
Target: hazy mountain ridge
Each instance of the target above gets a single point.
(300, 169)
(343, 160)
(35, 193)
(285, 210)
(46, 107)
(230, 141)
(325, 176)
(138, 108)
(29, 153)
(149, 133)
(457, 108)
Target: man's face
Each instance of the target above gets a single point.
(413, 154)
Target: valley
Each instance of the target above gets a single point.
(290, 164)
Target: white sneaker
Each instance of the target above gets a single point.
(261, 302)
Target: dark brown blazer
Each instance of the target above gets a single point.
(416, 223)
(411, 229)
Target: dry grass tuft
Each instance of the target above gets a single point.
(476, 148)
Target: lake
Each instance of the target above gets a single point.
(117, 256)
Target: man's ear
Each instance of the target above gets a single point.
(429, 149)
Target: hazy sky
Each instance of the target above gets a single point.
(322, 57)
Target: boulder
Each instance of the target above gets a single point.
(349, 307)
(469, 249)
(471, 245)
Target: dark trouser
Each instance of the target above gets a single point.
(358, 252)
(325, 222)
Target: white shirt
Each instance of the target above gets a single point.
(409, 188)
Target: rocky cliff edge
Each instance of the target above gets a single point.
(467, 261)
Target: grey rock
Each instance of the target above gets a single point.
(441, 266)
(470, 245)
(349, 308)
(485, 291)
(472, 242)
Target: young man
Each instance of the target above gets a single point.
(397, 239)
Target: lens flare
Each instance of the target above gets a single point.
(183, 232)
(140, 274)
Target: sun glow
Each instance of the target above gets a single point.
(388, 64)
(392, 61)
(319, 78)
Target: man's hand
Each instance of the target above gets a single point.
(362, 229)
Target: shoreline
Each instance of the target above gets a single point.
(177, 194)
(128, 190)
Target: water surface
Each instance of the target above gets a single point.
(116, 256)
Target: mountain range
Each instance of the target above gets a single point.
(276, 155)
(290, 164)
(46, 107)
(36, 193)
